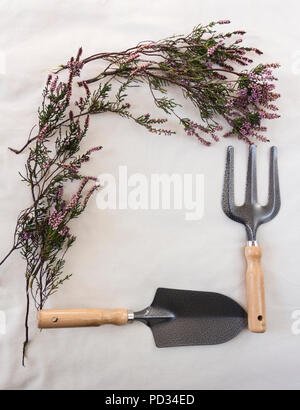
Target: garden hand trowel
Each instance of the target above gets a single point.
(176, 318)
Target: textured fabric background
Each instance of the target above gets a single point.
(121, 257)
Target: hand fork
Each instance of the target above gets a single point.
(252, 215)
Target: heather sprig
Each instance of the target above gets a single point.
(42, 233)
(213, 71)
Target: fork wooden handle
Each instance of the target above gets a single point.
(255, 290)
(81, 318)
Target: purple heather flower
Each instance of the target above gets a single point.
(94, 149)
(87, 90)
(53, 85)
(256, 50)
(80, 103)
(71, 168)
(49, 79)
(227, 134)
(142, 67)
(191, 131)
(72, 203)
(211, 50)
(87, 122)
(56, 218)
(42, 133)
(79, 53)
(74, 67)
(82, 185)
(131, 57)
(239, 32)
(69, 94)
(59, 87)
(143, 46)
(272, 65)
(44, 130)
(215, 137)
(64, 231)
(60, 191)
(88, 195)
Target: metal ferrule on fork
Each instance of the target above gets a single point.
(252, 243)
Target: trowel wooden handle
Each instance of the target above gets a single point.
(255, 290)
(81, 318)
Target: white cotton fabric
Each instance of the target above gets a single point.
(122, 256)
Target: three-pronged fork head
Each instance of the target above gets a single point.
(251, 214)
